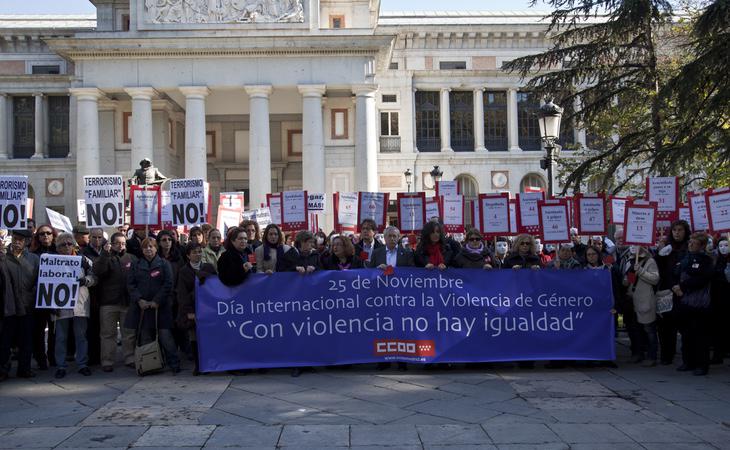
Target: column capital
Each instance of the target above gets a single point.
(141, 93)
(364, 90)
(312, 90)
(90, 93)
(259, 90)
(194, 91)
(479, 89)
(37, 94)
(445, 89)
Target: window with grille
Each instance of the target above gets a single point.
(469, 188)
(389, 123)
(529, 130)
(46, 69)
(461, 106)
(23, 127)
(428, 125)
(58, 126)
(452, 65)
(495, 120)
(389, 98)
(393, 66)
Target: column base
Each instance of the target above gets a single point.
(447, 150)
(36, 156)
(515, 150)
(481, 150)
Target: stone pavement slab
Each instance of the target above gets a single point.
(452, 434)
(527, 433)
(301, 436)
(589, 433)
(39, 437)
(181, 435)
(384, 435)
(257, 436)
(657, 433)
(104, 437)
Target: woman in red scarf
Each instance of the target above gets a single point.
(433, 251)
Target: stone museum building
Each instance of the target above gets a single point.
(270, 95)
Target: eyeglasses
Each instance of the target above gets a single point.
(65, 244)
(45, 233)
(524, 243)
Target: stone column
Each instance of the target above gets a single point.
(4, 147)
(366, 152)
(445, 114)
(196, 163)
(142, 142)
(38, 126)
(479, 120)
(513, 141)
(87, 134)
(313, 173)
(259, 145)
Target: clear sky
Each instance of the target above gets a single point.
(85, 7)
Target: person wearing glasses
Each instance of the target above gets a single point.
(251, 227)
(150, 285)
(234, 265)
(112, 270)
(474, 255)
(22, 266)
(44, 344)
(78, 317)
(93, 252)
(523, 254)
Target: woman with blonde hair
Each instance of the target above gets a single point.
(523, 254)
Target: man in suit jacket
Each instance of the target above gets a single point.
(392, 254)
(368, 244)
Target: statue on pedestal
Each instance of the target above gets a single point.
(147, 174)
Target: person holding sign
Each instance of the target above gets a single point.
(641, 277)
(78, 317)
(272, 251)
(17, 330)
(433, 250)
(693, 293)
(234, 265)
(473, 255)
(150, 311)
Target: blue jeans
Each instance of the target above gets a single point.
(82, 345)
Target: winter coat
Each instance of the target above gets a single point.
(24, 275)
(112, 273)
(469, 260)
(185, 291)
(151, 281)
(210, 256)
(558, 263)
(332, 263)
(7, 296)
(230, 267)
(421, 255)
(294, 258)
(263, 265)
(404, 257)
(359, 248)
(642, 292)
(82, 308)
(695, 272)
(525, 262)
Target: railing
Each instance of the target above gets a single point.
(389, 144)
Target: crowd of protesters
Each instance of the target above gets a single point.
(137, 286)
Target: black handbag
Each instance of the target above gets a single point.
(697, 299)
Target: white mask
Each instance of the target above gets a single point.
(501, 248)
(549, 248)
(633, 249)
(709, 245)
(724, 247)
(538, 246)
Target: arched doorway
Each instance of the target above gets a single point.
(533, 181)
(469, 188)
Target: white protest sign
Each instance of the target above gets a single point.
(411, 211)
(513, 217)
(262, 216)
(145, 205)
(495, 214)
(432, 208)
(13, 202)
(447, 188)
(274, 204)
(665, 192)
(188, 201)
(166, 208)
(294, 210)
(640, 223)
(227, 218)
(591, 214)
(81, 209)
(104, 200)
(453, 208)
(372, 205)
(58, 285)
(718, 209)
(59, 221)
(347, 210)
(685, 215)
(554, 222)
(528, 219)
(618, 207)
(316, 202)
(698, 211)
(476, 215)
(232, 200)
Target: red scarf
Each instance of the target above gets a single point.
(434, 253)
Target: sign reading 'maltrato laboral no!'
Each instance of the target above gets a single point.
(13, 202)
(58, 285)
(104, 199)
(188, 201)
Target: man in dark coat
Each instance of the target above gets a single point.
(367, 244)
(392, 254)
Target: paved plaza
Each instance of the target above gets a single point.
(502, 407)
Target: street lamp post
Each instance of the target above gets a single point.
(436, 175)
(409, 177)
(549, 117)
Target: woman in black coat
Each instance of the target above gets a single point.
(342, 256)
(302, 257)
(149, 285)
(433, 251)
(695, 274)
(233, 265)
(720, 305)
(523, 254)
(185, 293)
(474, 254)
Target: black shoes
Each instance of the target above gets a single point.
(699, 372)
(60, 373)
(295, 372)
(684, 368)
(85, 371)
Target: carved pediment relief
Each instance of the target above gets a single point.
(223, 11)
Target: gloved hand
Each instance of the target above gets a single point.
(665, 251)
